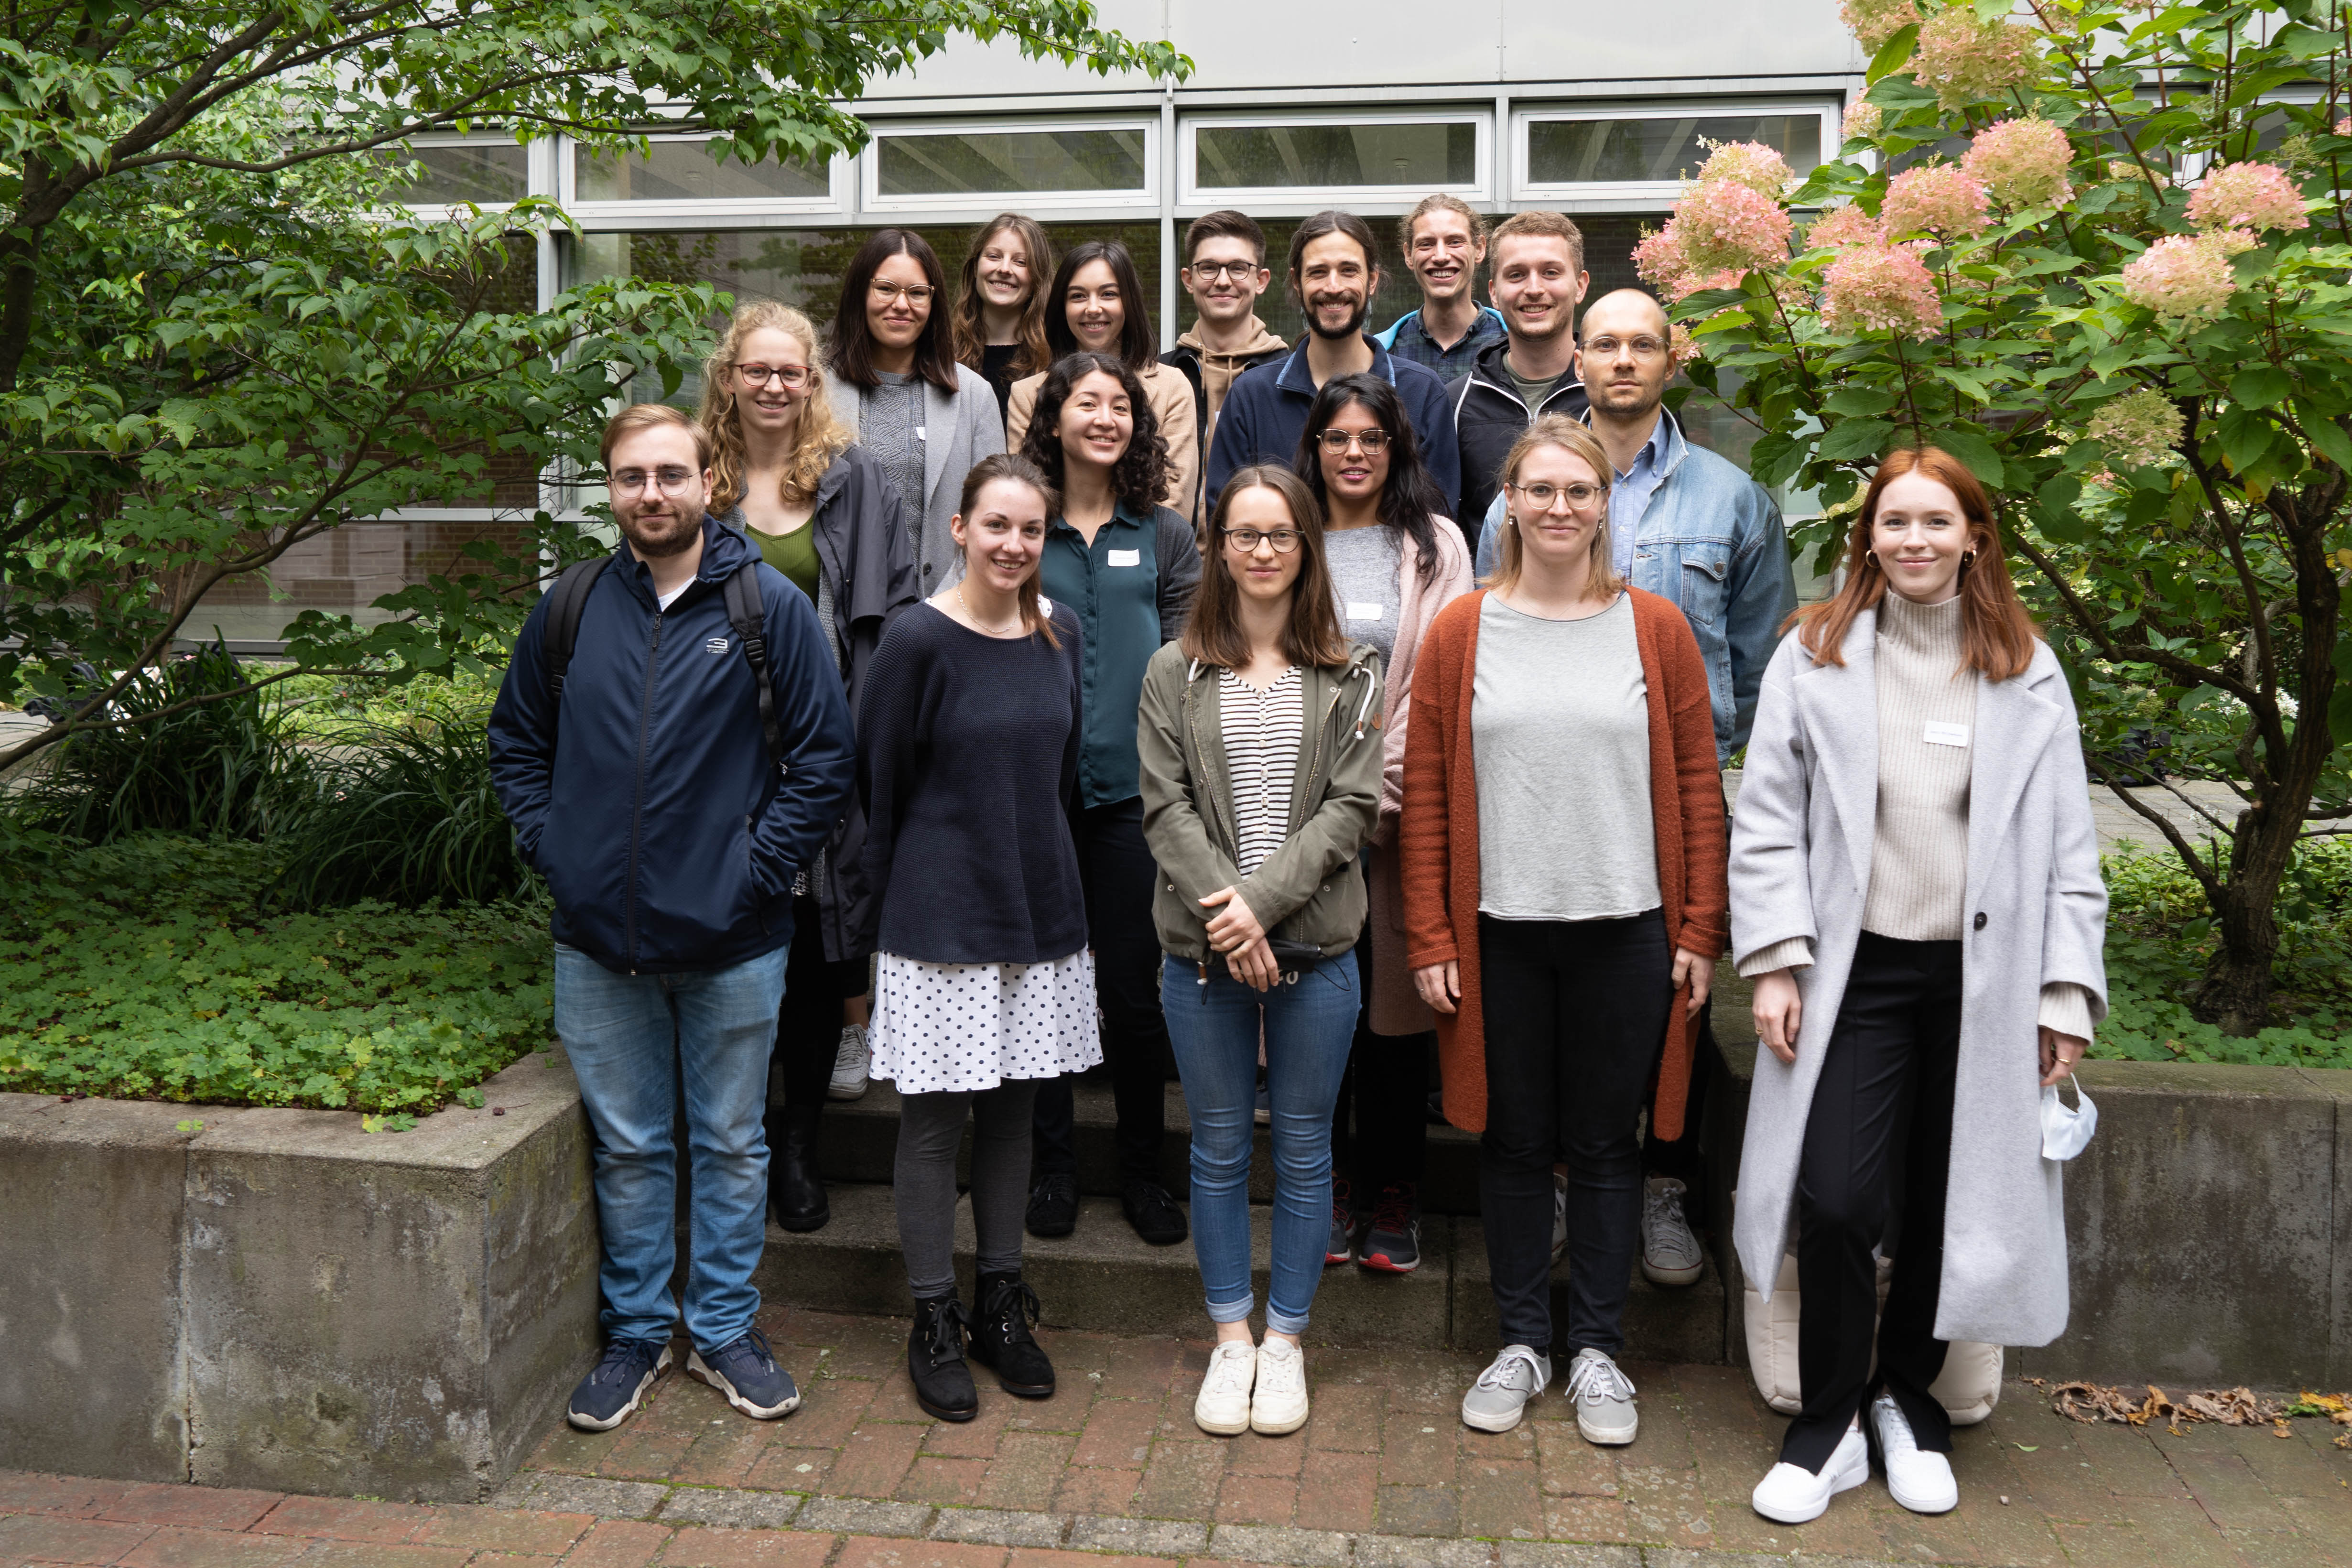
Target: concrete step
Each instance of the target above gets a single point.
(858, 1140)
(1102, 1278)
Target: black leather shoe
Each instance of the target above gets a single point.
(1053, 1206)
(1153, 1213)
(935, 1360)
(1001, 1337)
(795, 1191)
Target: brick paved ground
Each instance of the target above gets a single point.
(1112, 1471)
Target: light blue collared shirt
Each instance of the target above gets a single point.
(1628, 497)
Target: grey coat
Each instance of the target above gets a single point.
(959, 428)
(2036, 913)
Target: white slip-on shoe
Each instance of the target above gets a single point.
(1222, 1408)
(1499, 1397)
(1792, 1494)
(1279, 1402)
(1919, 1479)
(850, 1062)
(1603, 1398)
(1670, 1254)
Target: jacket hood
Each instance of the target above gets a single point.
(1262, 342)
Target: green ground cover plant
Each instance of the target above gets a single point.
(149, 969)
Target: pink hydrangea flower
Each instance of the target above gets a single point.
(2343, 126)
(1684, 348)
(1848, 225)
(1750, 163)
(1719, 226)
(2022, 162)
(2139, 427)
(1875, 21)
(2182, 276)
(1965, 60)
(1862, 120)
(1880, 289)
(1941, 199)
(2254, 195)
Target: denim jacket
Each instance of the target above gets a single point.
(1712, 542)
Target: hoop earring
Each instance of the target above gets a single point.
(1967, 561)
(1870, 559)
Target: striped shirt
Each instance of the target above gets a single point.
(1262, 731)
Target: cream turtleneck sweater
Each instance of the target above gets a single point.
(1919, 846)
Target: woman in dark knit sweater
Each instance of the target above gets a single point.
(970, 753)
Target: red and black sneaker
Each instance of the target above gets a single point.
(1342, 1243)
(1393, 1245)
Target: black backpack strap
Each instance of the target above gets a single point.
(745, 613)
(561, 635)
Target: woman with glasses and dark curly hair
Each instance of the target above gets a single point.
(1126, 566)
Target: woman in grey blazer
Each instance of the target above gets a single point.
(896, 384)
(1915, 889)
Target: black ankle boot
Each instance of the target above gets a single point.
(1001, 1338)
(795, 1191)
(935, 1360)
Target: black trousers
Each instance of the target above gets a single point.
(1386, 1092)
(808, 1025)
(1575, 1018)
(1883, 1105)
(1117, 872)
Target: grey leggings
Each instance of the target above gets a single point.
(930, 1126)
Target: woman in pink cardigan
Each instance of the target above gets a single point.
(1395, 561)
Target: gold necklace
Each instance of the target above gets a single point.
(973, 616)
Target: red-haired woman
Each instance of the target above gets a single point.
(1914, 889)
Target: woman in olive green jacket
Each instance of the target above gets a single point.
(1259, 739)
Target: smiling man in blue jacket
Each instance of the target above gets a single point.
(670, 810)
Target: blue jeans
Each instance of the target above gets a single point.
(1309, 1023)
(628, 1036)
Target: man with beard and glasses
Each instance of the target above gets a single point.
(1334, 275)
(669, 803)
(1539, 276)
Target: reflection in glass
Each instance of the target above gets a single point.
(1376, 154)
(486, 171)
(1580, 151)
(1010, 162)
(685, 172)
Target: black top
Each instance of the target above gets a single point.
(996, 366)
(967, 756)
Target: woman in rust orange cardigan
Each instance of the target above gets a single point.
(1562, 848)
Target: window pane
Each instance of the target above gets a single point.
(1286, 156)
(484, 172)
(685, 172)
(1580, 152)
(1011, 162)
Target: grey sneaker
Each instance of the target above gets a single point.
(1603, 1398)
(1558, 1215)
(1670, 1254)
(1499, 1397)
(849, 1064)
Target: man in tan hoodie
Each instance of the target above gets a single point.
(1224, 272)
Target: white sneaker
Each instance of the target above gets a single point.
(1792, 1494)
(1279, 1404)
(849, 1064)
(1603, 1398)
(1499, 1397)
(1670, 1254)
(1920, 1480)
(1223, 1406)
(1559, 1216)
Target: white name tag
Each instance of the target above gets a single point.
(1363, 611)
(1127, 558)
(1940, 734)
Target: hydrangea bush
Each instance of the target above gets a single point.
(2099, 255)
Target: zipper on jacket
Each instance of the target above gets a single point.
(637, 809)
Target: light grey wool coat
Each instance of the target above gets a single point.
(1800, 845)
(959, 428)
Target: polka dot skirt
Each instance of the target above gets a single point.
(970, 1026)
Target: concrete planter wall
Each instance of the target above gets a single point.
(277, 1300)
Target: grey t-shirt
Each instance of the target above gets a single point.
(889, 425)
(1533, 393)
(1363, 563)
(1559, 728)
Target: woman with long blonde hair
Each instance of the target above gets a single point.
(824, 514)
(1000, 308)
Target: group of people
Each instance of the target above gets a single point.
(977, 696)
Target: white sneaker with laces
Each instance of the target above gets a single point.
(1792, 1494)
(849, 1064)
(1670, 1254)
(1223, 1406)
(1603, 1398)
(1279, 1403)
(1499, 1397)
(1920, 1480)
(1558, 1215)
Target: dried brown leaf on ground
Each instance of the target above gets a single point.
(2094, 1402)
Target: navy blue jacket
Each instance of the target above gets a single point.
(1266, 410)
(666, 837)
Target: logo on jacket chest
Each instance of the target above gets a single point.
(716, 645)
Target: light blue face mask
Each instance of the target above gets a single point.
(2067, 1131)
